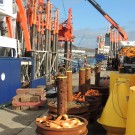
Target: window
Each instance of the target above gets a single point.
(1, 2)
(7, 52)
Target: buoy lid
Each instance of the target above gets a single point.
(82, 69)
(68, 71)
(62, 77)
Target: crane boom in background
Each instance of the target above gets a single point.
(114, 24)
(123, 50)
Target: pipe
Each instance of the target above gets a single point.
(46, 49)
(87, 78)
(69, 86)
(62, 95)
(82, 80)
(56, 50)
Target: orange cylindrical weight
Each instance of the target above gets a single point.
(62, 95)
(69, 86)
(82, 80)
(87, 78)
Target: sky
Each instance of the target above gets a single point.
(88, 23)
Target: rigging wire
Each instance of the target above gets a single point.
(81, 40)
(64, 7)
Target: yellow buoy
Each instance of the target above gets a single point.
(115, 75)
(114, 114)
(130, 128)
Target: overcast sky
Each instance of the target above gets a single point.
(88, 23)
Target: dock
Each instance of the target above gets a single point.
(13, 122)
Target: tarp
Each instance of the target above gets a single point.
(100, 57)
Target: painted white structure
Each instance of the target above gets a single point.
(126, 44)
(79, 51)
(9, 43)
(7, 8)
(73, 51)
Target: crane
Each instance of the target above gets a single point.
(126, 49)
(113, 23)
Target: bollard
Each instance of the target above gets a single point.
(62, 95)
(82, 81)
(69, 86)
(97, 75)
(87, 78)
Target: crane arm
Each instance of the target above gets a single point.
(22, 14)
(114, 24)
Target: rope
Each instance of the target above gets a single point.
(118, 103)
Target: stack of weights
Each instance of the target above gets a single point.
(74, 107)
(102, 85)
(62, 109)
(104, 93)
(93, 97)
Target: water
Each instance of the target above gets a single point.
(80, 64)
(92, 61)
